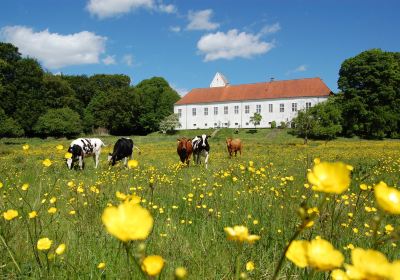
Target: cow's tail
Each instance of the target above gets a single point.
(136, 147)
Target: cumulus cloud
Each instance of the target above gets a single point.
(109, 60)
(54, 50)
(270, 29)
(169, 9)
(128, 59)
(200, 20)
(232, 44)
(298, 69)
(110, 8)
(175, 29)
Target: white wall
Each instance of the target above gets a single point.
(242, 119)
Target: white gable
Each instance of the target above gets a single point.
(219, 81)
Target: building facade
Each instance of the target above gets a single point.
(232, 106)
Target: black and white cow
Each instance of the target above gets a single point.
(84, 147)
(201, 148)
(123, 149)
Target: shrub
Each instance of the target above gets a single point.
(9, 127)
(59, 123)
(273, 124)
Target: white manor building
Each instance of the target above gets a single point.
(225, 105)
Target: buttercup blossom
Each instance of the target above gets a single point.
(339, 274)
(330, 177)
(133, 163)
(369, 264)
(101, 265)
(68, 155)
(297, 253)
(25, 147)
(10, 214)
(152, 265)
(32, 214)
(25, 187)
(60, 249)
(180, 272)
(241, 234)
(250, 266)
(321, 255)
(59, 147)
(47, 162)
(128, 222)
(44, 244)
(388, 198)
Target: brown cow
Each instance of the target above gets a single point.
(184, 149)
(234, 146)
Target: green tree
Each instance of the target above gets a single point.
(323, 121)
(256, 119)
(116, 110)
(62, 122)
(157, 100)
(9, 127)
(170, 123)
(370, 83)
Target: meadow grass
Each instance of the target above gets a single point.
(190, 205)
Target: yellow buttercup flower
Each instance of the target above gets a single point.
(297, 253)
(59, 147)
(32, 214)
(250, 266)
(388, 198)
(180, 272)
(53, 200)
(241, 234)
(101, 265)
(44, 244)
(1, 185)
(330, 177)
(25, 147)
(128, 222)
(52, 210)
(10, 214)
(368, 264)
(67, 155)
(47, 162)
(61, 249)
(339, 274)
(152, 265)
(25, 187)
(321, 255)
(133, 163)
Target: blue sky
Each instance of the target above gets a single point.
(187, 42)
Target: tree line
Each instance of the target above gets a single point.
(37, 103)
(367, 106)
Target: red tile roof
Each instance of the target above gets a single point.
(310, 87)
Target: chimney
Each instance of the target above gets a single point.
(271, 79)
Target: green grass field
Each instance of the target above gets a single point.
(191, 206)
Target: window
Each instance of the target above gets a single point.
(247, 123)
(215, 110)
(205, 124)
(270, 108)
(236, 109)
(236, 123)
(194, 124)
(258, 108)
(179, 112)
(226, 110)
(294, 107)
(193, 111)
(206, 111)
(215, 124)
(247, 109)
(308, 105)
(281, 107)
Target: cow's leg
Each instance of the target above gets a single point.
(96, 160)
(206, 160)
(80, 159)
(125, 161)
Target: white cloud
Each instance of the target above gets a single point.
(110, 8)
(300, 68)
(232, 44)
(55, 50)
(180, 91)
(269, 29)
(175, 29)
(109, 60)
(128, 59)
(200, 20)
(169, 9)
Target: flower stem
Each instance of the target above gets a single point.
(10, 253)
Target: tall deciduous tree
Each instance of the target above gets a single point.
(256, 119)
(370, 83)
(157, 100)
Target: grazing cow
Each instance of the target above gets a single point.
(184, 149)
(84, 147)
(201, 148)
(123, 149)
(234, 146)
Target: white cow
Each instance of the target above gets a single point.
(84, 147)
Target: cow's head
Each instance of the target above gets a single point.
(76, 151)
(228, 142)
(203, 140)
